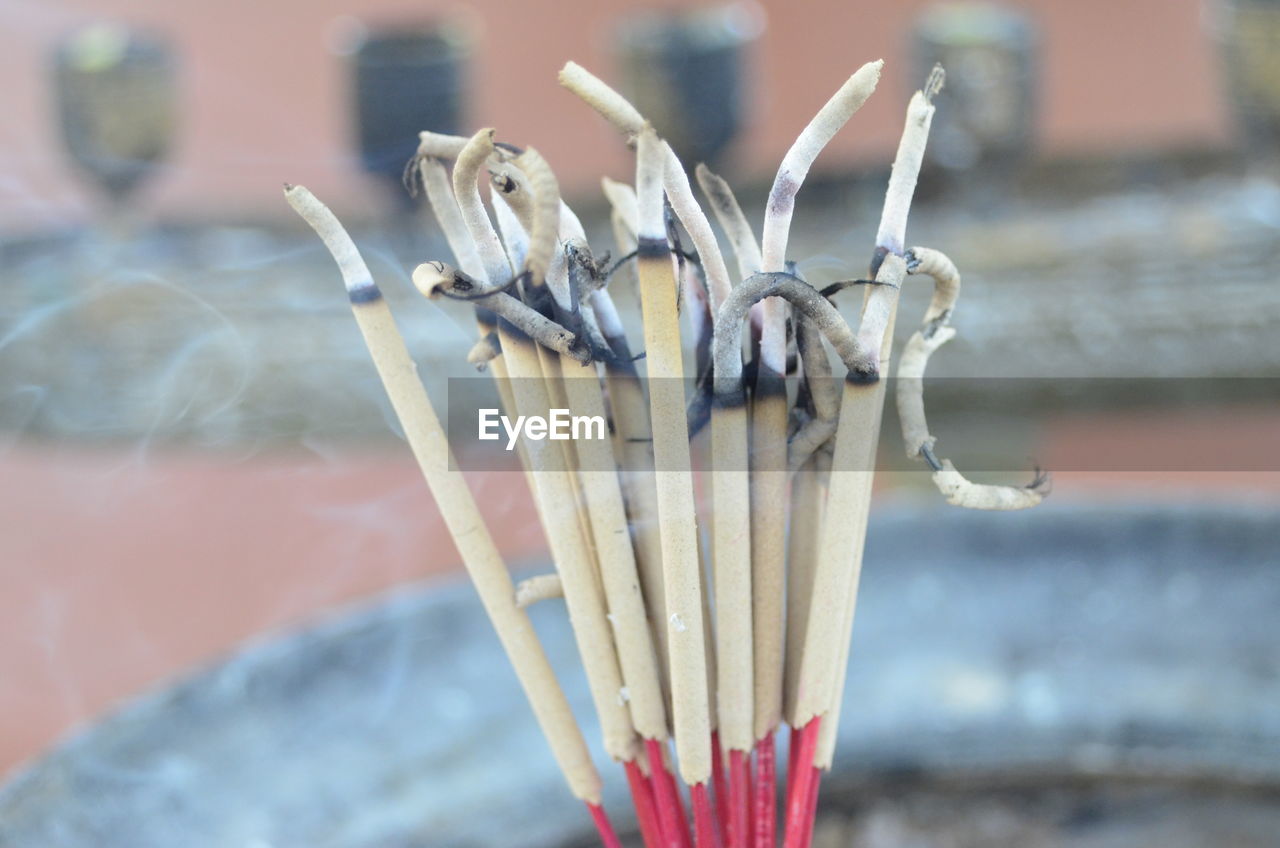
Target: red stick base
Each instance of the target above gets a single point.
(765, 817)
(675, 827)
(704, 820)
(800, 787)
(646, 810)
(720, 784)
(608, 838)
(739, 829)
(811, 814)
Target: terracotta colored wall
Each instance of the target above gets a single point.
(265, 99)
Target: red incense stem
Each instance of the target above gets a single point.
(798, 791)
(607, 837)
(811, 813)
(793, 748)
(646, 810)
(764, 812)
(739, 800)
(704, 820)
(720, 784)
(675, 827)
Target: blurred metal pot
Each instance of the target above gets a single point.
(1248, 37)
(116, 93)
(407, 79)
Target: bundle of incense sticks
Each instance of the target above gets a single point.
(714, 662)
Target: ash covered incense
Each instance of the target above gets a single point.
(714, 663)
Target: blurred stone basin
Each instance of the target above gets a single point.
(1064, 677)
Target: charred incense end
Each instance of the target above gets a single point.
(863, 376)
(650, 247)
(364, 292)
(877, 259)
(913, 261)
(770, 385)
(729, 398)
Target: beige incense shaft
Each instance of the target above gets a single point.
(676, 508)
(480, 555)
(552, 486)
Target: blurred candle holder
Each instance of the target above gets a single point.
(985, 125)
(116, 92)
(1248, 36)
(686, 71)
(407, 79)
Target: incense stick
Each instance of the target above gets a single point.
(676, 511)
(552, 485)
(634, 434)
(836, 576)
(601, 490)
(480, 556)
(769, 414)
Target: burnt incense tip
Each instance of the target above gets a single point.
(877, 259)
(863, 377)
(651, 247)
(288, 187)
(731, 398)
(364, 291)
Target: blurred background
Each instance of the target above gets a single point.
(195, 452)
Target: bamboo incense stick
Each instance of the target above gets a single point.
(484, 564)
(837, 574)
(840, 558)
(602, 492)
(625, 218)
(676, 510)
(769, 420)
(553, 488)
(809, 456)
(769, 413)
(808, 511)
(634, 434)
(731, 540)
